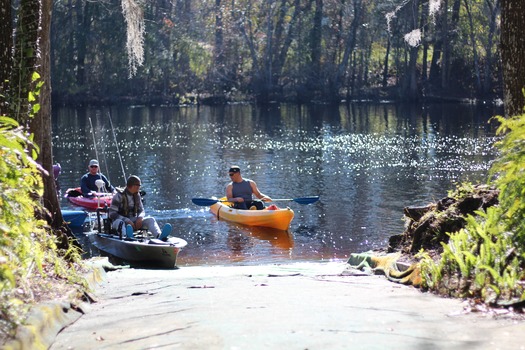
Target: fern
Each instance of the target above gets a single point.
(488, 255)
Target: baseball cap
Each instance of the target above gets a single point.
(93, 162)
(133, 180)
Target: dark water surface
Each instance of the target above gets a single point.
(366, 162)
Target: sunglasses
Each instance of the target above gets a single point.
(93, 166)
(231, 174)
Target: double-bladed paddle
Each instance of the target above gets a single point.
(206, 202)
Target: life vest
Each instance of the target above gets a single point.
(124, 205)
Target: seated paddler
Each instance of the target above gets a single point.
(127, 212)
(88, 182)
(241, 191)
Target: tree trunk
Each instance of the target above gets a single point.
(513, 55)
(494, 12)
(219, 36)
(446, 47)
(422, 24)
(313, 76)
(25, 59)
(350, 43)
(84, 27)
(434, 73)
(472, 36)
(6, 64)
(316, 37)
(411, 77)
(385, 64)
(287, 41)
(41, 123)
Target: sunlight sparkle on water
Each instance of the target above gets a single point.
(366, 162)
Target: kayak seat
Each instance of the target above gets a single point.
(73, 192)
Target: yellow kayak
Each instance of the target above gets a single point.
(279, 218)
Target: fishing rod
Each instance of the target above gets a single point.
(103, 150)
(96, 151)
(116, 144)
(94, 141)
(105, 159)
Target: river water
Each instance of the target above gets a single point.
(366, 162)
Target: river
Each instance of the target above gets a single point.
(365, 161)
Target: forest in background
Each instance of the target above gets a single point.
(217, 51)
(38, 256)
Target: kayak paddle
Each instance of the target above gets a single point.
(206, 202)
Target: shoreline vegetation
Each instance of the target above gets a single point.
(468, 245)
(35, 264)
(195, 99)
(290, 51)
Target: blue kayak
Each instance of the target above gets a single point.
(74, 218)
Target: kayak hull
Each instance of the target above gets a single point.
(74, 218)
(100, 200)
(279, 218)
(140, 252)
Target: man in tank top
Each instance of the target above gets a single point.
(240, 191)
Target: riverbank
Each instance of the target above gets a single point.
(295, 306)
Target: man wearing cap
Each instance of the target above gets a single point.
(128, 215)
(88, 181)
(240, 191)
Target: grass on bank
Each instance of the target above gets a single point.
(32, 268)
(486, 259)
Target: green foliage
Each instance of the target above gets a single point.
(28, 253)
(19, 182)
(461, 191)
(300, 47)
(478, 261)
(509, 174)
(486, 259)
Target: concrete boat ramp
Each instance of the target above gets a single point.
(296, 306)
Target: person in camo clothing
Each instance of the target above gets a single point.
(127, 212)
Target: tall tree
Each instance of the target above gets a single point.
(32, 48)
(40, 124)
(349, 47)
(316, 38)
(6, 31)
(411, 86)
(26, 51)
(494, 10)
(513, 55)
(473, 42)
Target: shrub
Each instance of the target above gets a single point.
(486, 259)
(30, 264)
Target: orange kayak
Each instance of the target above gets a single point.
(278, 218)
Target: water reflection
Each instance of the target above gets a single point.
(366, 162)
